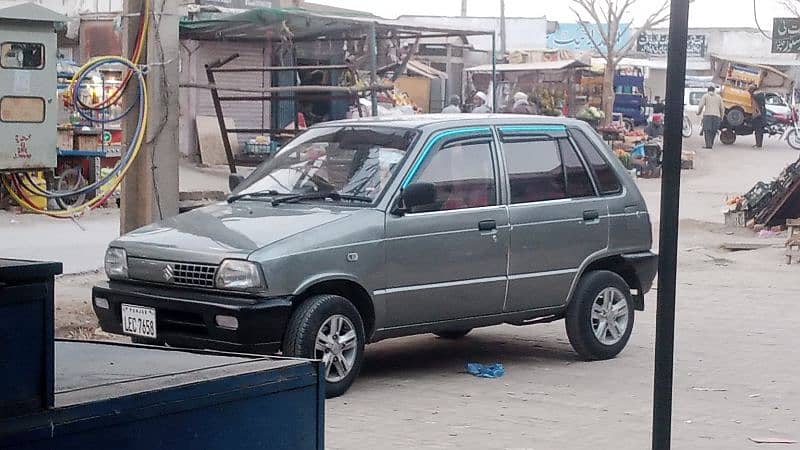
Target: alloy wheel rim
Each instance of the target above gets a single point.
(337, 346)
(609, 316)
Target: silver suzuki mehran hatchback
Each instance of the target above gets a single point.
(363, 230)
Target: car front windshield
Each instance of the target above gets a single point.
(347, 160)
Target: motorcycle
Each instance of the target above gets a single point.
(788, 131)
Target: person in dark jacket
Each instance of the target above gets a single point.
(658, 106)
(759, 104)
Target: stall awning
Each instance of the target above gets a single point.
(531, 67)
(297, 24)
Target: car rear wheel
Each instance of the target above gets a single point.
(453, 334)
(599, 318)
(328, 328)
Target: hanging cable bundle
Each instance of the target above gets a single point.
(21, 186)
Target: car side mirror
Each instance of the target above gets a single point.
(415, 195)
(234, 180)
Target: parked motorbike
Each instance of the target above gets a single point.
(786, 131)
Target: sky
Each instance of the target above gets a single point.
(703, 13)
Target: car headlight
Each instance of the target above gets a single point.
(240, 275)
(116, 263)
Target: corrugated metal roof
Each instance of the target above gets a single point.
(531, 67)
(270, 23)
(28, 11)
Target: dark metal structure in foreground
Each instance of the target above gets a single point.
(93, 395)
(668, 233)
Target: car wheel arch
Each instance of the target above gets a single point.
(616, 264)
(343, 286)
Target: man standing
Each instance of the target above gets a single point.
(480, 100)
(759, 104)
(454, 107)
(712, 110)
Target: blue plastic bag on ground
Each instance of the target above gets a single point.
(495, 370)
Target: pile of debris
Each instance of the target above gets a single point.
(768, 203)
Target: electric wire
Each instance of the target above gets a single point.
(20, 184)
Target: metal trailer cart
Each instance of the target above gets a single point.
(79, 395)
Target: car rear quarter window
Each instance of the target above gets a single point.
(579, 184)
(607, 181)
(535, 171)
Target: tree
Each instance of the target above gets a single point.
(793, 6)
(609, 38)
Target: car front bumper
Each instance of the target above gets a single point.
(187, 318)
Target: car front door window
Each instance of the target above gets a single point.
(463, 175)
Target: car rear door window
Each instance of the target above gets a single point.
(607, 181)
(463, 173)
(535, 171)
(579, 184)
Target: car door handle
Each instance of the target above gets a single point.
(487, 225)
(591, 215)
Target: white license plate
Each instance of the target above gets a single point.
(139, 320)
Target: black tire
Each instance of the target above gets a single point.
(70, 180)
(453, 334)
(727, 137)
(579, 321)
(308, 320)
(735, 116)
(793, 139)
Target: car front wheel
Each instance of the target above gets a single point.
(599, 318)
(328, 328)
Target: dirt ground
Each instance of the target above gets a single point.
(736, 351)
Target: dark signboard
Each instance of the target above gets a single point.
(657, 44)
(786, 35)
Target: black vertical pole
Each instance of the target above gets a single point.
(668, 234)
(494, 74)
(373, 67)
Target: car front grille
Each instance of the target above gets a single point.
(198, 275)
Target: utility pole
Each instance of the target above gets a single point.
(463, 8)
(668, 233)
(150, 190)
(503, 27)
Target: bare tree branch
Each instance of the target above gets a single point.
(588, 33)
(655, 19)
(793, 6)
(590, 7)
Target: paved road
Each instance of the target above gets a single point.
(735, 377)
(79, 246)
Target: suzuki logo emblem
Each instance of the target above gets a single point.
(168, 273)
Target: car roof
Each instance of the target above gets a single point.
(437, 121)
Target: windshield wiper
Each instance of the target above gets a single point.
(257, 194)
(333, 195)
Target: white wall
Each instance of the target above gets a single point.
(522, 33)
(74, 8)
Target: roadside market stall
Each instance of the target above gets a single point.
(322, 67)
(553, 85)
